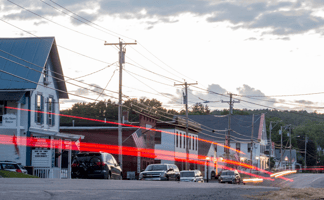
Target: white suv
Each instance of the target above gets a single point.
(12, 166)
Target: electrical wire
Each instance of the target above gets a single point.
(56, 22)
(56, 44)
(107, 84)
(50, 71)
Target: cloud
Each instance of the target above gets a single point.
(72, 101)
(278, 17)
(40, 23)
(304, 102)
(81, 91)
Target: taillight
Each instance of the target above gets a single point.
(75, 164)
(18, 170)
(100, 163)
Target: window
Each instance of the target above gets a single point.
(39, 109)
(189, 143)
(50, 110)
(2, 109)
(45, 75)
(238, 146)
(180, 135)
(157, 137)
(184, 141)
(176, 139)
(249, 147)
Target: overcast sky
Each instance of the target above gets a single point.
(256, 48)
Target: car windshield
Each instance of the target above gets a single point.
(86, 157)
(156, 168)
(187, 174)
(227, 173)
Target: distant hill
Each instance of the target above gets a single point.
(295, 118)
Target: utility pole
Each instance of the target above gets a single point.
(187, 121)
(290, 145)
(252, 143)
(280, 132)
(270, 129)
(228, 136)
(122, 52)
(306, 140)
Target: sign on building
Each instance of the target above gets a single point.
(9, 120)
(41, 158)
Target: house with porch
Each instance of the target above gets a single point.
(31, 85)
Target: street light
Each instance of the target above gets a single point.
(207, 160)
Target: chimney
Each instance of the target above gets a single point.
(125, 116)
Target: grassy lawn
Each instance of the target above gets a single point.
(7, 174)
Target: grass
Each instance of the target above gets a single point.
(8, 174)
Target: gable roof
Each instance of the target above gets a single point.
(240, 124)
(33, 50)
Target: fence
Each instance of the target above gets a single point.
(46, 172)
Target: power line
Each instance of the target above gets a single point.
(56, 44)
(147, 78)
(91, 22)
(49, 70)
(56, 22)
(107, 84)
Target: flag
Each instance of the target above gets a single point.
(138, 139)
(237, 157)
(78, 143)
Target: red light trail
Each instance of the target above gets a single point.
(113, 149)
(128, 125)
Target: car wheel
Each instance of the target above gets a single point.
(178, 178)
(238, 181)
(120, 176)
(213, 175)
(108, 175)
(167, 178)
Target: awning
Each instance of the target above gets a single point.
(11, 96)
(56, 134)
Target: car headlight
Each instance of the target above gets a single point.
(140, 176)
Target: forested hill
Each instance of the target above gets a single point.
(294, 118)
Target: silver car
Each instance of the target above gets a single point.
(229, 177)
(12, 166)
(191, 176)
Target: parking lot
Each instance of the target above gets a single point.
(115, 189)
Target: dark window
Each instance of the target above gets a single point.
(249, 147)
(157, 137)
(45, 75)
(176, 139)
(189, 143)
(2, 110)
(156, 168)
(238, 146)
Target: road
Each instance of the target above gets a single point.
(301, 181)
(113, 189)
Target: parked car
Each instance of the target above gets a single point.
(96, 165)
(12, 166)
(191, 176)
(160, 172)
(230, 177)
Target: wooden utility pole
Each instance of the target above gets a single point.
(122, 52)
(228, 136)
(187, 121)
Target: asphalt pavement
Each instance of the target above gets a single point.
(113, 189)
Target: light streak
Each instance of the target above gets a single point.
(279, 174)
(253, 180)
(128, 125)
(252, 167)
(113, 149)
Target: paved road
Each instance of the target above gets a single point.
(300, 180)
(112, 189)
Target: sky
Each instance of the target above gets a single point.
(266, 50)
